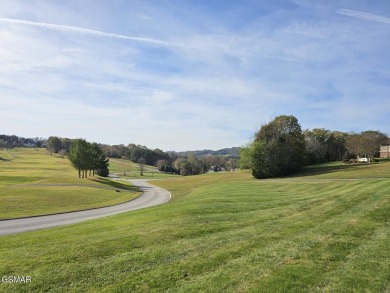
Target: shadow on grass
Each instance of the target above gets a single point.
(4, 160)
(334, 167)
(116, 184)
(318, 170)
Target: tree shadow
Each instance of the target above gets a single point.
(116, 184)
(4, 160)
(326, 169)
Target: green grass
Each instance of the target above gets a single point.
(34, 183)
(129, 169)
(223, 232)
(338, 170)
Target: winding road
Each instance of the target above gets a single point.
(151, 196)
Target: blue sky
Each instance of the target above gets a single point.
(186, 75)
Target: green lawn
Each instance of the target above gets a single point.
(335, 170)
(223, 232)
(33, 183)
(129, 169)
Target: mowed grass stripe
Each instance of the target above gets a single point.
(283, 248)
(221, 277)
(352, 194)
(370, 263)
(222, 267)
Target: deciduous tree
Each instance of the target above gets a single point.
(366, 143)
(246, 157)
(279, 148)
(141, 162)
(53, 144)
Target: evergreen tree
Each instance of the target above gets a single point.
(86, 157)
(100, 161)
(78, 155)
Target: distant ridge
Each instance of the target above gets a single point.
(233, 152)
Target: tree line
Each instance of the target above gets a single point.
(11, 141)
(181, 163)
(281, 147)
(323, 145)
(185, 163)
(231, 152)
(194, 165)
(168, 162)
(135, 152)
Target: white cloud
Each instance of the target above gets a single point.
(76, 29)
(364, 15)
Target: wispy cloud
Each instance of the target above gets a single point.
(208, 78)
(364, 15)
(81, 30)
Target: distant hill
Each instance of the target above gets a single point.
(233, 152)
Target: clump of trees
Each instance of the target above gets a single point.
(278, 149)
(88, 157)
(192, 164)
(365, 144)
(184, 166)
(281, 148)
(58, 145)
(165, 166)
(323, 145)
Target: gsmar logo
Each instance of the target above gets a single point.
(16, 279)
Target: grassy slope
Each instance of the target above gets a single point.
(223, 233)
(33, 183)
(132, 170)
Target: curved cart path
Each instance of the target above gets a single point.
(151, 196)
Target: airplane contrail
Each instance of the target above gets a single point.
(364, 15)
(81, 30)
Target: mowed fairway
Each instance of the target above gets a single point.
(34, 183)
(223, 232)
(128, 169)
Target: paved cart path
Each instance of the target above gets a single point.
(151, 196)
